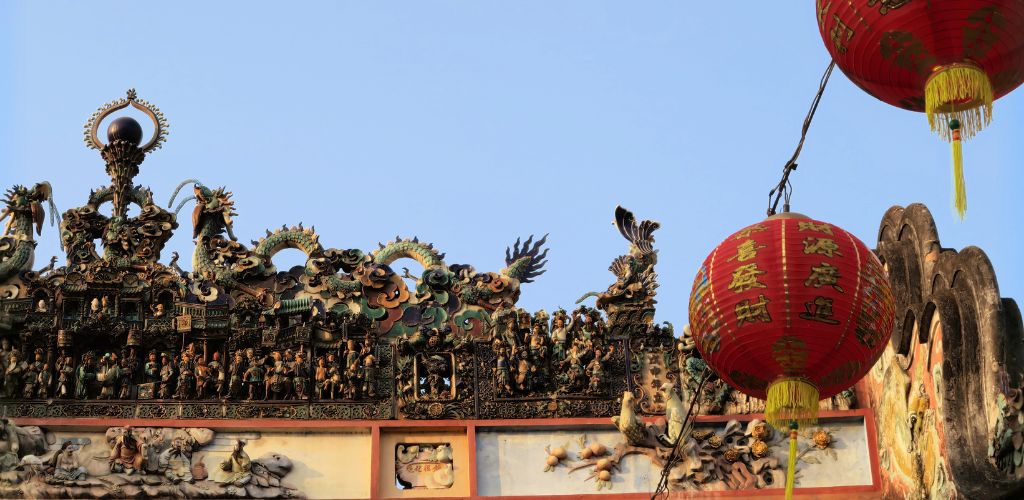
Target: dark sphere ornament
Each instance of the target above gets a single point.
(125, 128)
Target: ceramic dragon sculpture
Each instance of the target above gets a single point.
(350, 281)
(23, 209)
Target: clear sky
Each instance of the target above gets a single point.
(471, 123)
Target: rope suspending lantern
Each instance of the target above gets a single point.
(784, 188)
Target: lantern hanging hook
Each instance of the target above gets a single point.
(784, 188)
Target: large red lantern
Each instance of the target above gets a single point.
(948, 58)
(791, 310)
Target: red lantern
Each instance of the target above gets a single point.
(948, 58)
(791, 310)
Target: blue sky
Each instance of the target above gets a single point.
(471, 123)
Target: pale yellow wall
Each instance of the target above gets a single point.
(325, 465)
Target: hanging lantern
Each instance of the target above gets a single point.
(948, 58)
(791, 310)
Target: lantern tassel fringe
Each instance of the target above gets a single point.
(791, 462)
(959, 186)
(791, 400)
(959, 92)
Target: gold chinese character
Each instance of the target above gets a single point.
(822, 246)
(840, 34)
(822, 10)
(745, 277)
(756, 228)
(746, 251)
(819, 309)
(752, 312)
(811, 226)
(824, 275)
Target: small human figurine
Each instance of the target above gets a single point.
(45, 382)
(369, 375)
(274, 383)
(166, 376)
(523, 369)
(41, 306)
(94, 307)
(127, 375)
(300, 381)
(86, 377)
(32, 374)
(559, 335)
(151, 370)
(575, 376)
(320, 378)
(289, 373)
(596, 370)
(159, 310)
(216, 375)
(253, 375)
(186, 377)
(176, 461)
(351, 369)
(436, 368)
(238, 466)
(202, 375)
(109, 376)
(13, 374)
(65, 464)
(126, 455)
(237, 373)
(334, 377)
(502, 376)
(65, 377)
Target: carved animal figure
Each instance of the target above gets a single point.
(351, 281)
(23, 209)
(629, 301)
(629, 423)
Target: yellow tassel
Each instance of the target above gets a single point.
(789, 400)
(959, 187)
(791, 470)
(959, 92)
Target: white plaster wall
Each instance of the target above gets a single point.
(512, 463)
(852, 465)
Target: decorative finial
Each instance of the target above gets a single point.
(160, 124)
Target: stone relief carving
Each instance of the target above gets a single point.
(150, 462)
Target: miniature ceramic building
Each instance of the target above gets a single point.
(124, 376)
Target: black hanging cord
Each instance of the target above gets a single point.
(784, 188)
(674, 458)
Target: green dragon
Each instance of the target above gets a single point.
(353, 282)
(24, 208)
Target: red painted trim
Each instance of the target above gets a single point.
(872, 431)
(374, 462)
(471, 448)
(304, 425)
